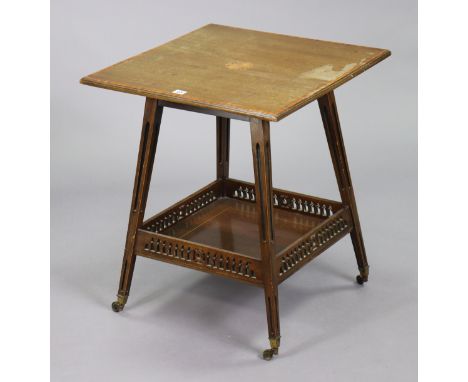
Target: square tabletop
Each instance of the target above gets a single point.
(241, 71)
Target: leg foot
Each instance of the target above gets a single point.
(269, 353)
(117, 306)
(363, 276)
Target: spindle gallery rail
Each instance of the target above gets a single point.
(153, 242)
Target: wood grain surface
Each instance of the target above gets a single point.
(246, 72)
(232, 225)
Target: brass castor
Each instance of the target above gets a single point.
(361, 279)
(363, 275)
(117, 306)
(269, 353)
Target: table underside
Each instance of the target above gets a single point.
(215, 230)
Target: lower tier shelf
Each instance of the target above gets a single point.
(216, 230)
(231, 225)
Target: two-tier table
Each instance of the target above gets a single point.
(248, 232)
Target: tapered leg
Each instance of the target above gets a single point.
(332, 127)
(223, 126)
(260, 133)
(144, 168)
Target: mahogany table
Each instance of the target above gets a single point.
(248, 232)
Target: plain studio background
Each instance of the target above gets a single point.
(184, 325)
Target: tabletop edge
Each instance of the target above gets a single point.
(88, 80)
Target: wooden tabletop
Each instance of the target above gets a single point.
(241, 71)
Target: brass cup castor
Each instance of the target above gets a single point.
(269, 353)
(363, 275)
(361, 279)
(117, 306)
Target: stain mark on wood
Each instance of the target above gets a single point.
(239, 65)
(326, 72)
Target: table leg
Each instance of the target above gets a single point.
(222, 148)
(148, 142)
(260, 134)
(332, 127)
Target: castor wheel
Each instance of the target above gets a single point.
(361, 280)
(117, 306)
(268, 354)
(363, 275)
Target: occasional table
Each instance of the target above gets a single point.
(250, 232)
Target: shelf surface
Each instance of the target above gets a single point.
(246, 72)
(231, 224)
